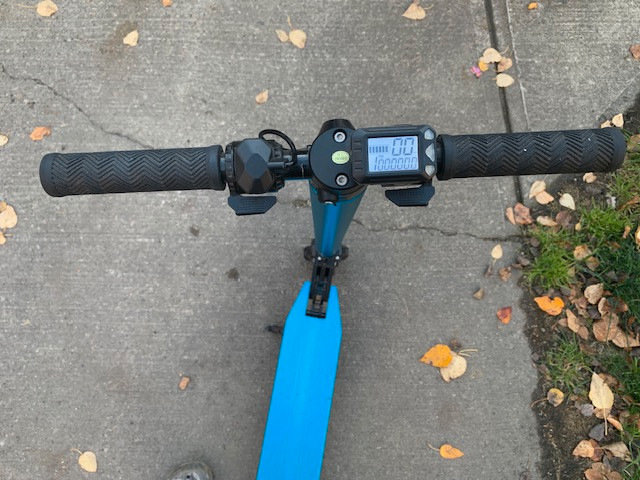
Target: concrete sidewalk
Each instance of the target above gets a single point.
(106, 301)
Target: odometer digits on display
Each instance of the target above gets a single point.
(393, 154)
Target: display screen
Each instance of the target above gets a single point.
(392, 154)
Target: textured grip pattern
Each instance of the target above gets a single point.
(131, 171)
(570, 151)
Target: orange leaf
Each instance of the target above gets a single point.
(551, 306)
(532, 6)
(184, 381)
(39, 133)
(504, 314)
(450, 452)
(439, 356)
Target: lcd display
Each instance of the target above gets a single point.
(392, 154)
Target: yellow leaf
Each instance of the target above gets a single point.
(551, 306)
(496, 252)
(455, 369)
(414, 12)
(479, 294)
(614, 421)
(503, 80)
(581, 252)
(491, 55)
(8, 217)
(532, 6)
(167, 3)
(594, 293)
(637, 236)
(184, 382)
(537, 187)
(555, 396)
(282, 35)
(298, 38)
(3, 239)
(439, 356)
(606, 124)
(450, 452)
(482, 66)
(504, 314)
(546, 221)
(46, 8)
(589, 177)
(584, 449)
(504, 64)
(617, 121)
(566, 200)
(39, 133)
(510, 215)
(262, 97)
(600, 394)
(543, 198)
(131, 38)
(3, 140)
(88, 462)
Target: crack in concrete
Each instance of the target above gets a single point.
(446, 233)
(39, 82)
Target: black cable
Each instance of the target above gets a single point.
(289, 142)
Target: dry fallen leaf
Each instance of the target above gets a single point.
(439, 356)
(584, 449)
(503, 80)
(455, 369)
(184, 382)
(8, 217)
(637, 236)
(594, 293)
(606, 124)
(544, 198)
(482, 66)
(551, 306)
(627, 231)
(3, 239)
(522, 215)
(282, 35)
(614, 421)
(504, 64)
(298, 38)
(414, 11)
(504, 273)
(592, 263)
(635, 51)
(3, 140)
(566, 200)
(262, 97)
(546, 221)
(39, 133)
(491, 55)
(589, 177)
(581, 252)
(46, 8)
(450, 452)
(617, 120)
(618, 450)
(555, 396)
(532, 5)
(600, 394)
(167, 3)
(537, 187)
(131, 38)
(496, 252)
(510, 215)
(88, 462)
(504, 314)
(479, 294)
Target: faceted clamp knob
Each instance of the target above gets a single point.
(251, 164)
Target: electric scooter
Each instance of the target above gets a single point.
(339, 166)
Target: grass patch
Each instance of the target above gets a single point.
(553, 267)
(568, 366)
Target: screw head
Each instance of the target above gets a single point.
(339, 136)
(342, 180)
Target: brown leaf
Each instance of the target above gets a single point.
(298, 38)
(8, 217)
(618, 450)
(636, 237)
(592, 263)
(584, 449)
(573, 322)
(184, 382)
(627, 231)
(282, 35)
(39, 133)
(503, 80)
(618, 120)
(614, 421)
(504, 314)
(496, 252)
(555, 396)
(581, 252)
(594, 293)
(262, 97)
(510, 216)
(551, 306)
(564, 218)
(504, 64)
(606, 124)
(3, 239)
(131, 38)
(522, 215)
(546, 221)
(450, 452)
(544, 198)
(46, 8)
(504, 273)
(635, 51)
(439, 356)
(634, 201)
(589, 177)
(479, 294)
(600, 394)
(455, 369)
(414, 11)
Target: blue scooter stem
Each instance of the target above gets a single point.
(296, 431)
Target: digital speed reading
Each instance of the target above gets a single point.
(392, 154)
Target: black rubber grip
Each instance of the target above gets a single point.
(569, 151)
(132, 171)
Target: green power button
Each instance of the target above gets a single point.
(340, 157)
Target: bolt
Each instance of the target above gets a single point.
(339, 136)
(342, 180)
